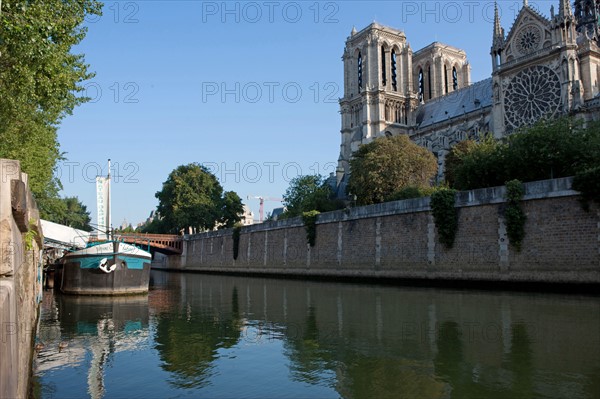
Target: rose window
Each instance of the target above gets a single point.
(528, 39)
(532, 94)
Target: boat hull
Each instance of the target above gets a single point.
(128, 270)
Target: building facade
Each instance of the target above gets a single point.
(543, 67)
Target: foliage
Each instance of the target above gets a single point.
(588, 183)
(454, 159)
(30, 236)
(310, 192)
(310, 224)
(548, 149)
(193, 197)
(386, 165)
(127, 230)
(232, 209)
(479, 165)
(445, 215)
(237, 230)
(514, 215)
(40, 79)
(69, 211)
(411, 192)
(155, 226)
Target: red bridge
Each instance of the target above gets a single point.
(169, 244)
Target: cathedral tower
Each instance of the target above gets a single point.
(378, 97)
(587, 13)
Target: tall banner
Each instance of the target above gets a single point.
(102, 205)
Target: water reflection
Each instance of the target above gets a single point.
(88, 332)
(218, 336)
(364, 341)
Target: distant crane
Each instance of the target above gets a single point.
(261, 210)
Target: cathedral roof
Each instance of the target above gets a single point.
(460, 102)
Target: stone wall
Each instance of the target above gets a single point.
(20, 279)
(399, 240)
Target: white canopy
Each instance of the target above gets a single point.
(60, 236)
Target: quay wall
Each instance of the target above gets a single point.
(20, 279)
(399, 240)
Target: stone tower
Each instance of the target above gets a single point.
(378, 97)
(587, 13)
(384, 83)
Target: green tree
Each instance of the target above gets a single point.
(455, 158)
(387, 165)
(70, 212)
(193, 197)
(231, 209)
(480, 165)
(39, 84)
(308, 193)
(548, 149)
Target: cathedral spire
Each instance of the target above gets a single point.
(498, 38)
(564, 9)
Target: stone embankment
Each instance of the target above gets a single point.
(20, 279)
(399, 240)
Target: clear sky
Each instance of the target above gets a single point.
(249, 89)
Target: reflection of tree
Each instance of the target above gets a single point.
(449, 359)
(309, 358)
(520, 362)
(452, 367)
(188, 341)
(386, 376)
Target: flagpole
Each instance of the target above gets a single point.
(108, 225)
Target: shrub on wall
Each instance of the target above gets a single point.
(236, 240)
(514, 215)
(310, 224)
(588, 183)
(411, 192)
(445, 215)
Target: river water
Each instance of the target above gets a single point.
(204, 336)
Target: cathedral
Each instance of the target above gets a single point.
(543, 67)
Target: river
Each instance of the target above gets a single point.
(212, 336)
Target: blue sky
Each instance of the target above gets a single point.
(249, 89)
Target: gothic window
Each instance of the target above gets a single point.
(421, 83)
(532, 94)
(445, 79)
(383, 75)
(429, 82)
(394, 82)
(454, 79)
(360, 70)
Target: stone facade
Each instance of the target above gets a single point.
(543, 67)
(399, 240)
(20, 279)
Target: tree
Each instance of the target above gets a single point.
(386, 165)
(454, 159)
(548, 149)
(193, 197)
(232, 209)
(480, 165)
(70, 212)
(308, 193)
(39, 85)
